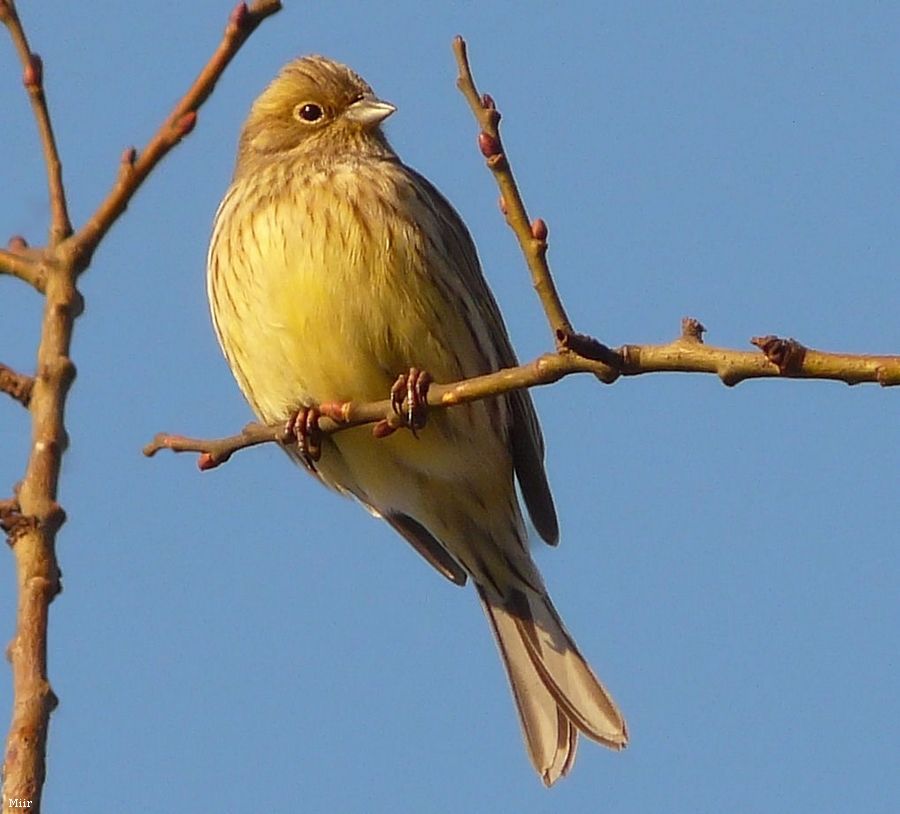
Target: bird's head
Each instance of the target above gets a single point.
(316, 106)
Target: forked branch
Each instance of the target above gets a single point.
(32, 519)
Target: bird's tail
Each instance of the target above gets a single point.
(556, 692)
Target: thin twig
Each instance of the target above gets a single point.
(134, 167)
(16, 384)
(781, 358)
(24, 264)
(686, 354)
(33, 79)
(532, 235)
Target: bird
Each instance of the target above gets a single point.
(335, 274)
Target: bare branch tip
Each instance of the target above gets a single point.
(464, 80)
(16, 385)
(160, 441)
(260, 9)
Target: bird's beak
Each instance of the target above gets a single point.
(369, 111)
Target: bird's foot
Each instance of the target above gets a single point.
(410, 390)
(303, 427)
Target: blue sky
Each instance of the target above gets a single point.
(729, 559)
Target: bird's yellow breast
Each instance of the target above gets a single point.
(333, 290)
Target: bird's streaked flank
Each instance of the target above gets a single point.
(332, 268)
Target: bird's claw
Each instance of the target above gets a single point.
(303, 427)
(412, 389)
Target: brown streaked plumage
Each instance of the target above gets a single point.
(332, 268)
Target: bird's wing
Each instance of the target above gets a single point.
(526, 440)
(425, 543)
(528, 459)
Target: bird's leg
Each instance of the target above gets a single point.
(303, 426)
(412, 388)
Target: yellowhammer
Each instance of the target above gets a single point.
(332, 268)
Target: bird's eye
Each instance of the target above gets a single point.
(308, 112)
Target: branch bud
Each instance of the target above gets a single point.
(33, 75)
(692, 329)
(787, 354)
(539, 229)
(206, 461)
(237, 20)
(238, 16)
(488, 144)
(186, 123)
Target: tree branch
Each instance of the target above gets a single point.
(24, 263)
(532, 235)
(780, 358)
(33, 79)
(134, 168)
(33, 519)
(15, 384)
